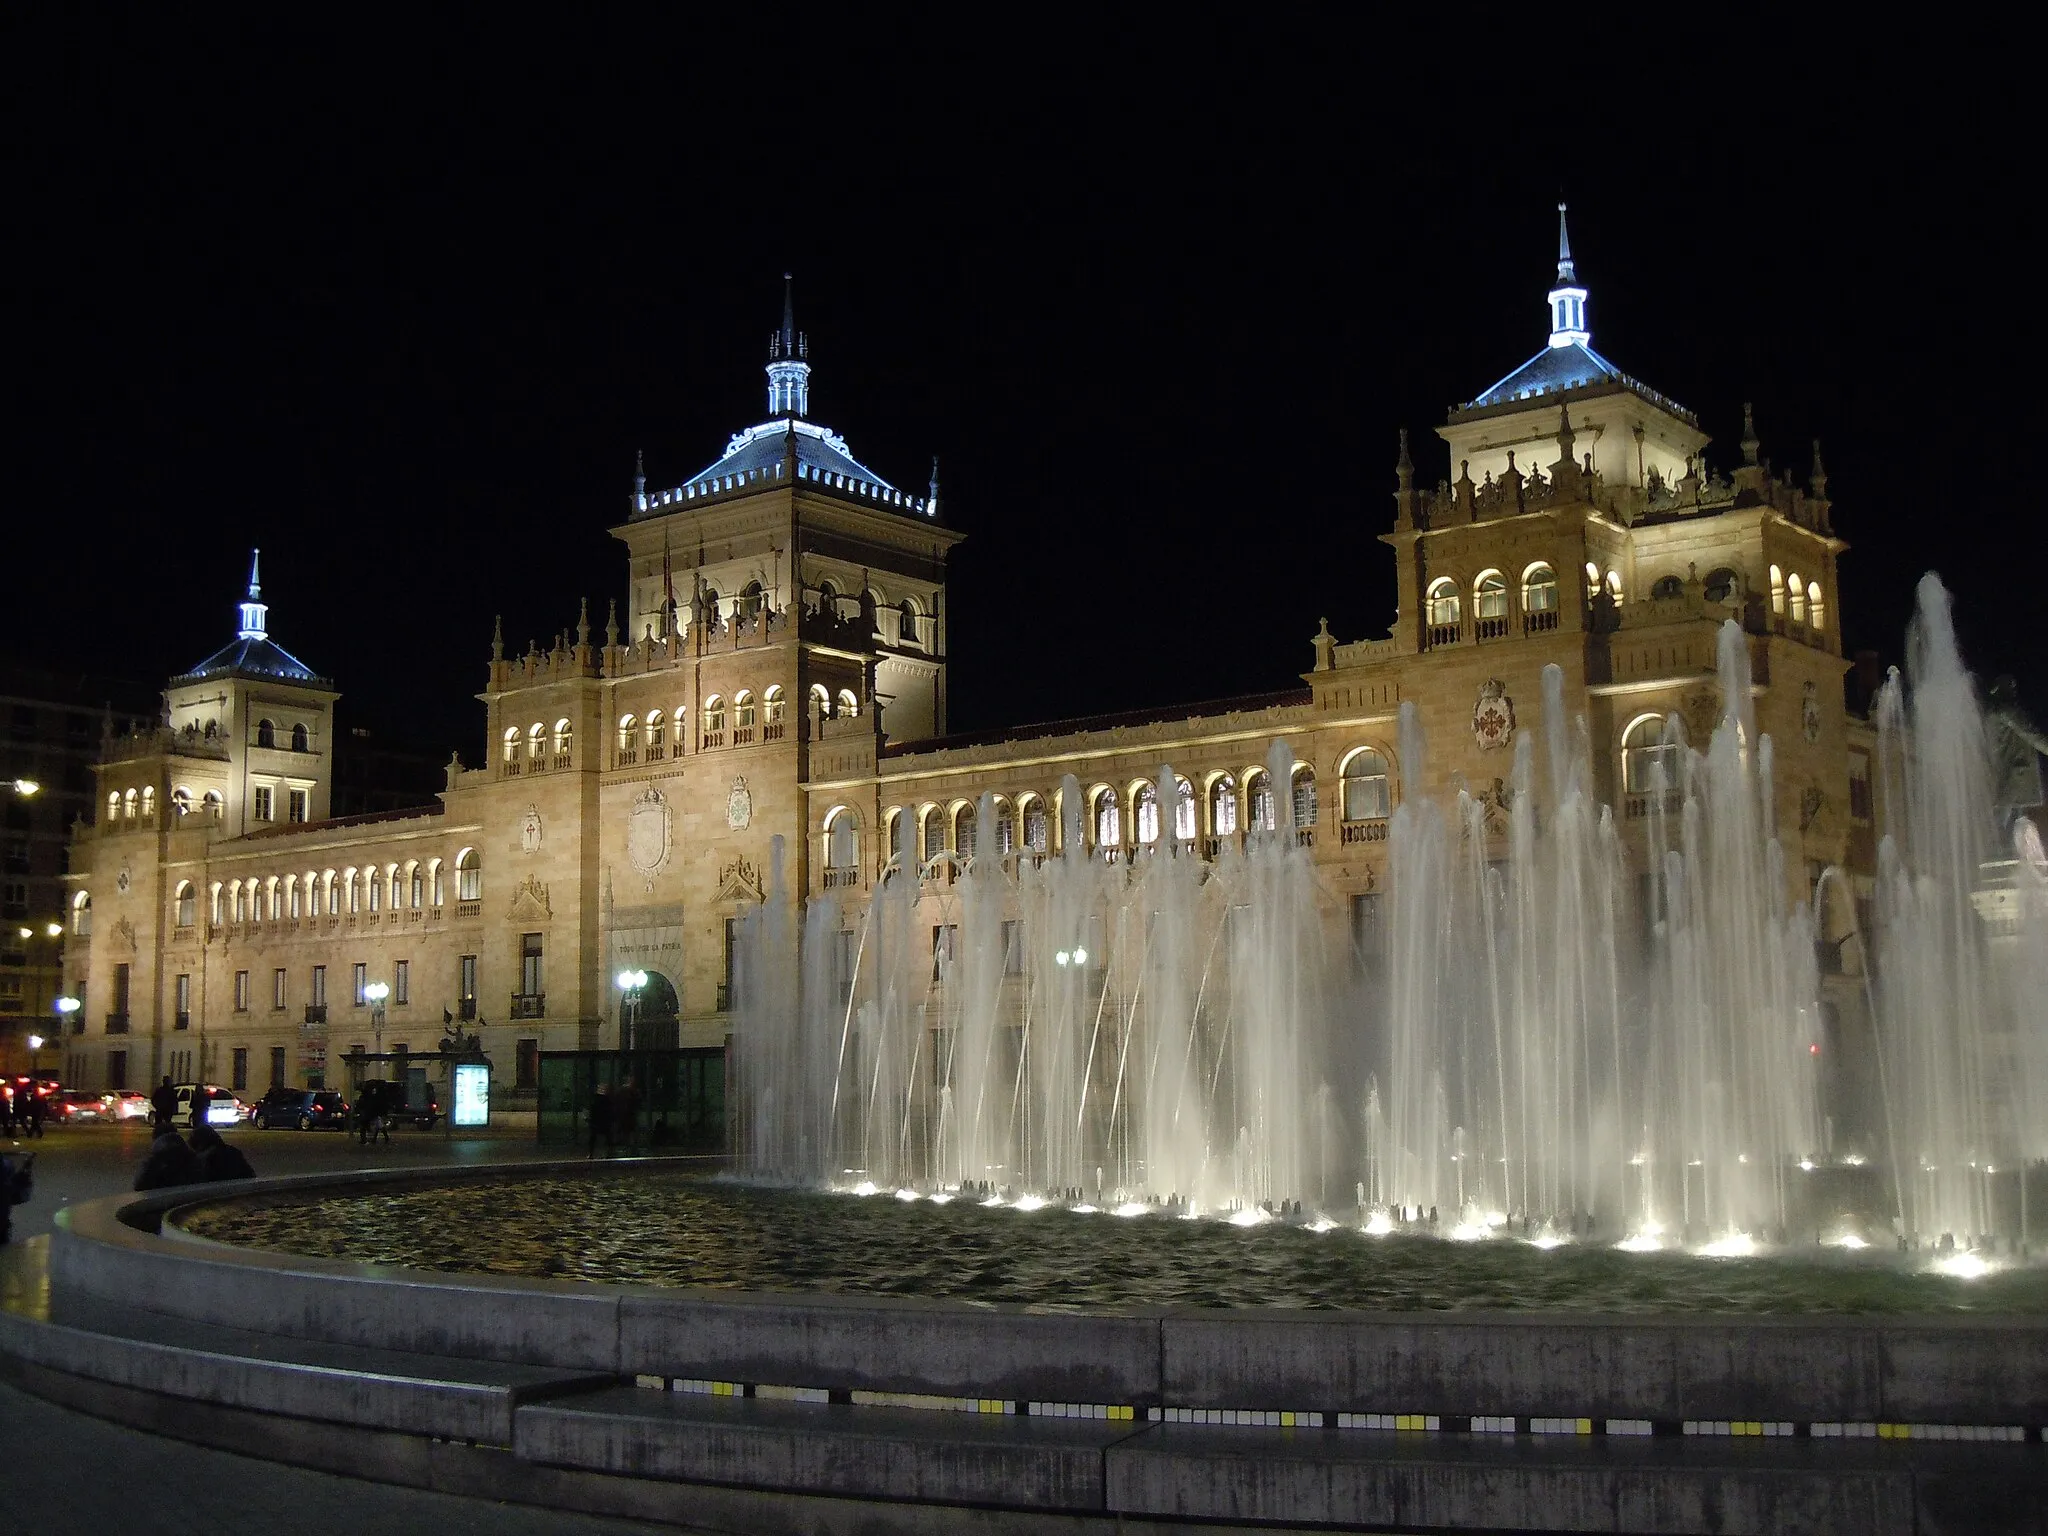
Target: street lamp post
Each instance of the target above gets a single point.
(374, 994)
(630, 983)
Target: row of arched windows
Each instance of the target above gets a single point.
(1444, 608)
(411, 886)
(266, 736)
(140, 804)
(1800, 600)
(1118, 818)
(905, 618)
(531, 746)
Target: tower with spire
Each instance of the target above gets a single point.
(789, 375)
(1567, 298)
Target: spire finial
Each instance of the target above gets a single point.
(583, 623)
(1404, 467)
(497, 637)
(1819, 478)
(253, 609)
(1567, 297)
(931, 506)
(1750, 445)
(789, 376)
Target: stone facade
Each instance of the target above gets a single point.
(780, 672)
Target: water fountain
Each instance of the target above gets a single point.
(1539, 1046)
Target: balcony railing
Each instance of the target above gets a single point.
(628, 756)
(1304, 837)
(1493, 629)
(181, 1020)
(316, 1013)
(465, 1009)
(742, 735)
(469, 909)
(772, 731)
(713, 739)
(117, 1023)
(1670, 801)
(1537, 623)
(656, 752)
(511, 766)
(561, 759)
(1363, 832)
(840, 879)
(529, 1005)
(1444, 634)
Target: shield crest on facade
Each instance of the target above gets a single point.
(647, 831)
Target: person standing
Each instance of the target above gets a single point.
(163, 1105)
(201, 1096)
(600, 1119)
(32, 1107)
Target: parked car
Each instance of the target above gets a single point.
(76, 1108)
(411, 1103)
(222, 1107)
(307, 1109)
(128, 1104)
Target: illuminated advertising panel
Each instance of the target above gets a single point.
(472, 1094)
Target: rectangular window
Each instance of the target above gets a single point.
(732, 937)
(14, 898)
(401, 982)
(319, 986)
(465, 981)
(121, 988)
(295, 805)
(527, 1067)
(261, 809)
(117, 1070)
(277, 987)
(360, 976)
(241, 991)
(529, 965)
(277, 1066)
(181, 991)
(240, 1079)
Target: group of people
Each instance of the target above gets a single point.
(204, 1158)
(614, 1116)
(21, 1110)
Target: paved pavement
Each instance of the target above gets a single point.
(84, 1162)
(53, 1461)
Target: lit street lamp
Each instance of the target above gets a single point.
(630, 983)
(374, 994)
(25, 787)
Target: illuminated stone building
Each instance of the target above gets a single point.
(778, 670)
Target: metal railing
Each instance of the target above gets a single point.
(529, 1005)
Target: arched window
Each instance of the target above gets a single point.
(934, 834)
(750, 602)
(1723, 583)
(714, 717)
(1109, 821)
(565, 742)
(1614, 585)
(355, 891)
(1006, 828)
(81, 915)
(1795, 592)
(1304, 797)
(114, 806)
(212, 804)
(469, 876)
(842, 847)
(1490, 604)
(148, 803)
(771, 703)
(437, 879)
(239, 896)
(375, 888)
(1366, 796)
(1815, 615)
(312, 896)
(1443, 609)
(963, 829)
(188, 904)
(292, 897)
(657, 736)
(1145, 811)
(512, 746)
(300, 741)
(1777, 590)
(899, 836)
(908, 634)
(1183, 810)
(743, 713)
(629, 737)
(215, 910)
(1037, 828)
(1258, 794)
(266, 734)
(537, 742)
(273, 899)
(849, 704)
(1539, 592)
(1592, 579)
(1223, 806)
(1667, 587)
(397, 887)
(181, 802)
(821, 702)
(1649, 763)
(828, 599)
(416, 882)
(212, 729)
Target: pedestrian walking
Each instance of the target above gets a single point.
(163, 1104)
(32, 1109)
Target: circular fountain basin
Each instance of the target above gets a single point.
(685, 1230)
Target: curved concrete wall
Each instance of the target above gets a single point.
(1956, 1370)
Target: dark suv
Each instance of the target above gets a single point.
(305, 1108)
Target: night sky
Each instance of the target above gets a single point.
(400, 307)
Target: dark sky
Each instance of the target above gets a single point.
(400, 305)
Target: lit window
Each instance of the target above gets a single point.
(1649, 763)
(963, 830)
(821, 701)
(1539, 589)
(714, 715)
(1814, 613)
(149, 803)
(848, 704)
(1223, 806)
(262, 809)
(1148, 814)
(401, 981)
(934, 833)
(842, 841)
(81, 915)
(469, 876)
(1259, 794)
(537, 741)
(565, 738)
(656, 732)
(629, 732)
(212, 804)
(1037, 832)
(181, 802)
(1006, 830)
(1796, 592)
(1366, 796)
(773, 701)
(743, 710)
(1304, 796)
(907, 631)
(419, 887)
(1183, 809)
(1109, 824)
(512, 744)
(1614, 585)
(187, 905)
(1490, 596)
(296, 804)
(1443, 603)
(1777, 590)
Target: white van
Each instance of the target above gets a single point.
(222, 1107)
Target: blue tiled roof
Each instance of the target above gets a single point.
(817, 448)
(247, 656)
(1553, 369)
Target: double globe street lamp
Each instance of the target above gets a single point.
(630, 983)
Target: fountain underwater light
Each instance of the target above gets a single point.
(1157, 1031)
